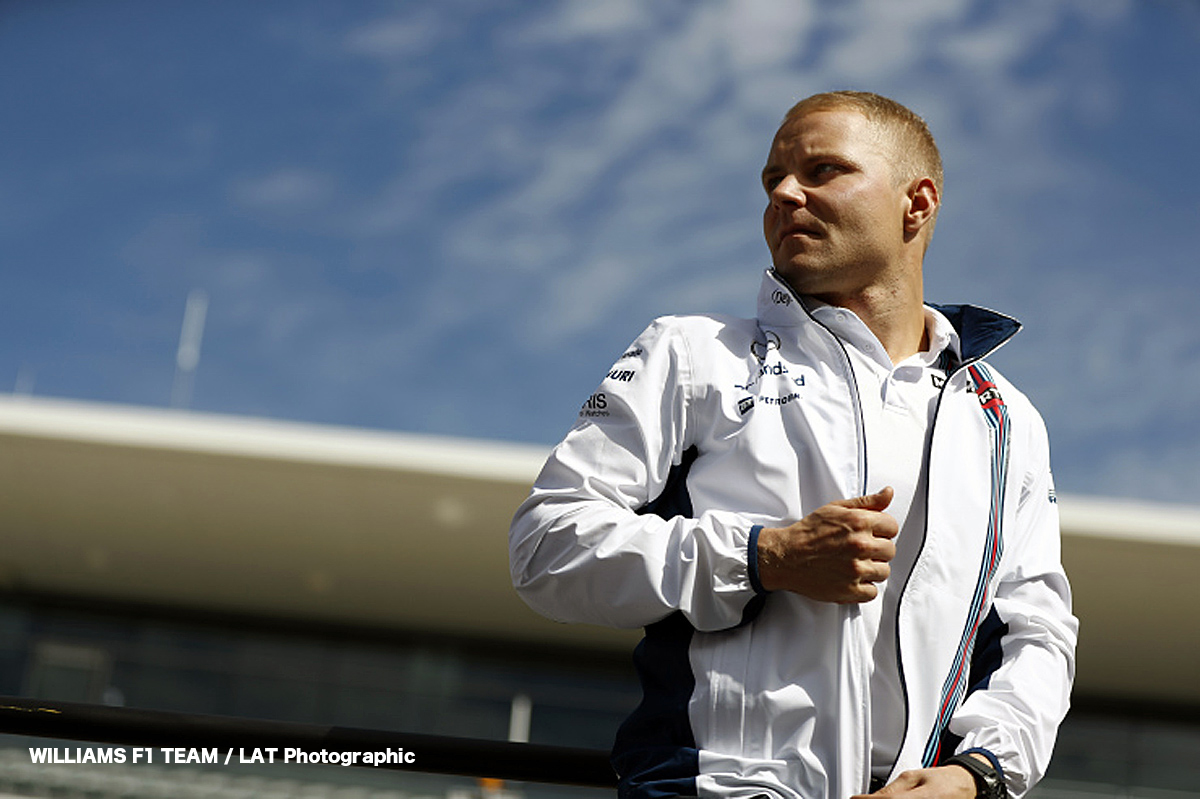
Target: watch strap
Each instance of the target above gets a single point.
(989, 780)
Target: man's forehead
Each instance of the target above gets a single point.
(824, 130)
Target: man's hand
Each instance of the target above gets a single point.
(943, 782)
(835, 554)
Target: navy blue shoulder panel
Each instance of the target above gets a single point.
(655, 752)
(988, 654)
(674, 499)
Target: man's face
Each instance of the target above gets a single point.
(834, 217)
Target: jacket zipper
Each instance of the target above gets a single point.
(916, 558)
(851, 382)
(853, 611)
(860, 427)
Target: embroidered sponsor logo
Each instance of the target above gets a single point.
(775, 370)
(989, 394)
(633, 353)
(772, 369)
(621, 375)
(938, 381)
(781, 297)
(765, 369)
(595, 405)
(784, 400)
(1053, 497)
(745, 405)
(760, 347)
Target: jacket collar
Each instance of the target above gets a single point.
(980, 331)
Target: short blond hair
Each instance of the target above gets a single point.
(916, 152)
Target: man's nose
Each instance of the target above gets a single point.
(788, 192)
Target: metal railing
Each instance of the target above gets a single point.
(240, 737)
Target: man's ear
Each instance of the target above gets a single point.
(923, 204)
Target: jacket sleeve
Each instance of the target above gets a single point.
(1016, 711)
(579, 549)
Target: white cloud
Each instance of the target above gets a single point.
(591, 292)
(763, 36)
(576, 20)
(397, 38)
(875, 40)
(284, 191)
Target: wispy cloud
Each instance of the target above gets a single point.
(285, 191)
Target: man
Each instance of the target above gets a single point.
(835, 521)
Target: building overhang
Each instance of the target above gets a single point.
(337, 525)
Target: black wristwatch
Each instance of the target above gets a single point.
(989, 784)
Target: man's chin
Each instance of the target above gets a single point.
(804, 278)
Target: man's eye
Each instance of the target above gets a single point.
(827, 169)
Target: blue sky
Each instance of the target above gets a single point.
(450, 217)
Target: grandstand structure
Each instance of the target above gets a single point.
(213, 564)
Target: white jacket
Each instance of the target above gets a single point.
(647, 515)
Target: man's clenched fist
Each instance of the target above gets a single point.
(835, 554)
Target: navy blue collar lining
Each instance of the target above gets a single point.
(980, 331)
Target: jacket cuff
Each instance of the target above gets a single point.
(752, 560)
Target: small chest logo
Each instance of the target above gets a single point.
(989, 396)
(595, 406)
(760, 347)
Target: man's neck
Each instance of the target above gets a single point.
(895, 314)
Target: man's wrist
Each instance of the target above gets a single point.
(985, 769)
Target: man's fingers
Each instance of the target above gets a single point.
(907, 781)
(934, 782)
(877, 501)
(873, 571)
(859, 593)
(864, 588)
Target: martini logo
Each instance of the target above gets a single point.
(989, 394)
